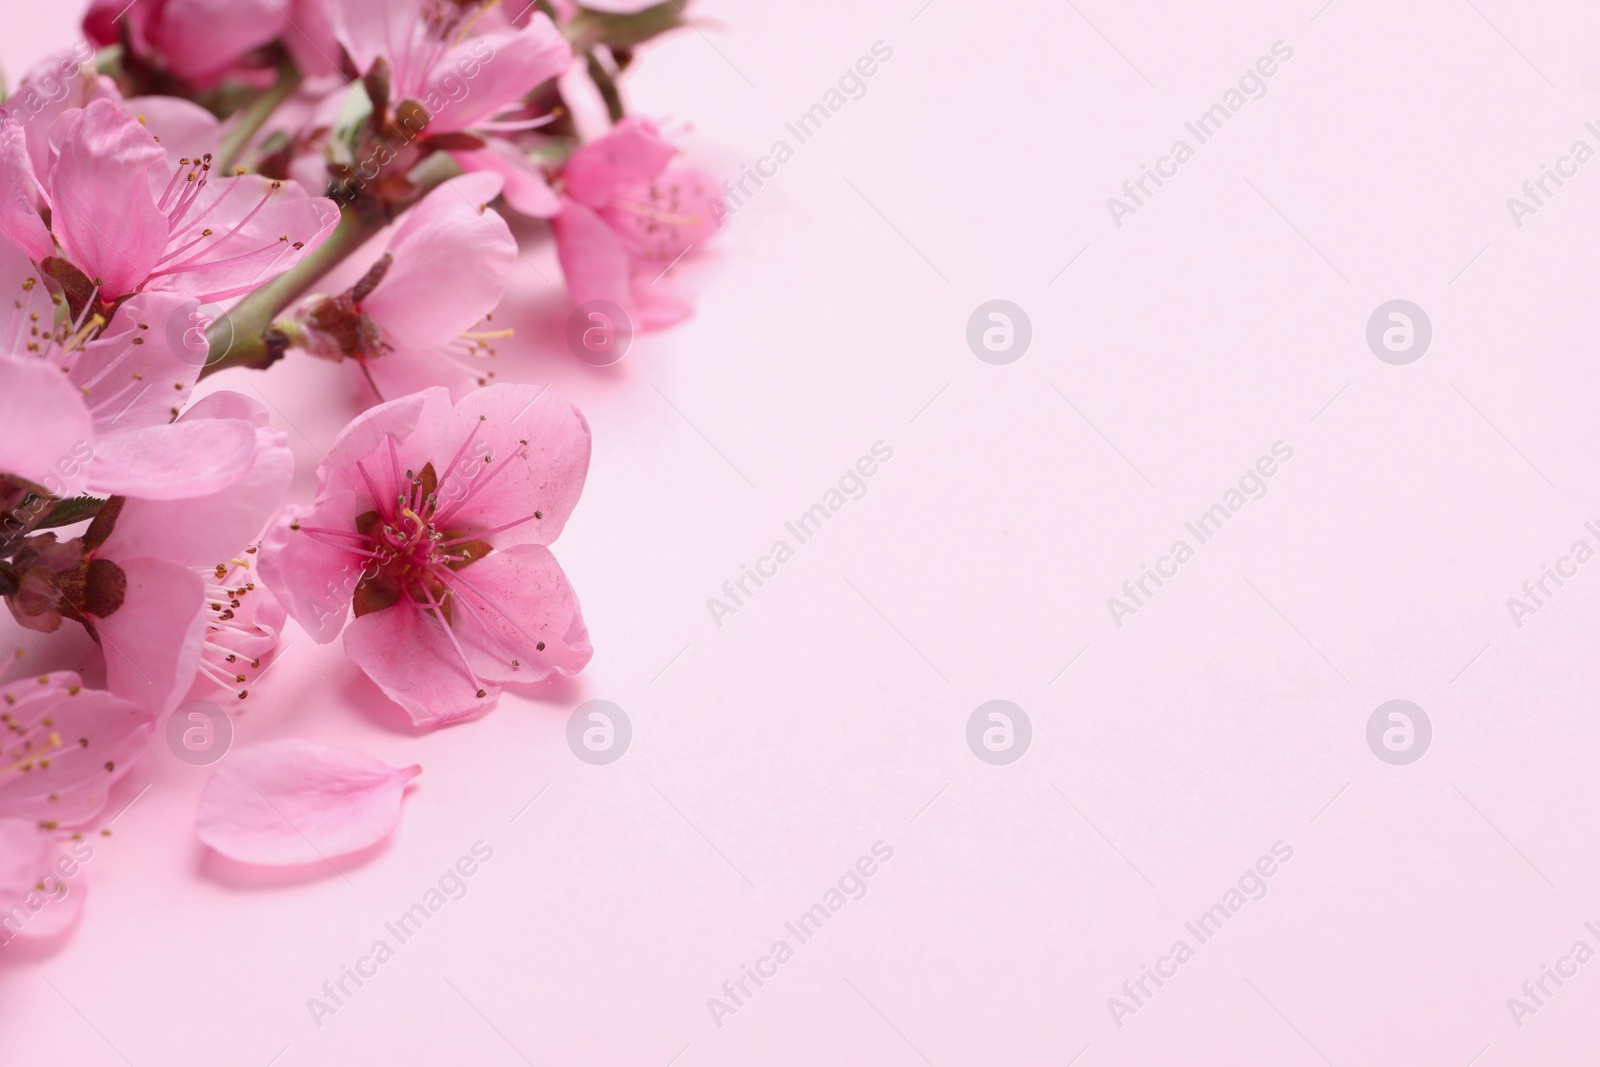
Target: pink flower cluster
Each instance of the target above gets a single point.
(169, 204)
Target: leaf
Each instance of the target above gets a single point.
(73, 509)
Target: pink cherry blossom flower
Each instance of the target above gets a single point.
(458, 71)
(627, 217)
(68, 82)
(212, 536)
(142, 577)
(418, 312)
(204, 41)
(64, 81)
(87, 406)
(127, 221)
(293, 802)
(431, 523)
(62, 747)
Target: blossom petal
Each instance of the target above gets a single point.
(97, 737)
(526, 189)
(19, 218)
(26, 311)
(314, 577)
(632, 152)
(517, 61)
(408, 655)
(35, 898)
(134, 374)
(102, 211)
(201, 39)
(685, 204)
(505, 608)
(527, 468)
(227, 404)
(63, 81)
(259, 229)
(451, 258)
(310, 40)
(372, 28)
(46, 435)
(510, 603)
(592, 256)
(152, 642)
(404, 370)
(396, 418)
(185, 130)
(295, 802)
(204, 531)
(175, 461)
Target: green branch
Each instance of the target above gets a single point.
(252, 118)
(240, 338)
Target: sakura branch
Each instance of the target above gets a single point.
(175, 191)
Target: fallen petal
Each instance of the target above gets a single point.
(295, 802)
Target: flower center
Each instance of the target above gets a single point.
(414, 553)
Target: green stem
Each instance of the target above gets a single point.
(238, 339)
(108, 60)
(252, 118)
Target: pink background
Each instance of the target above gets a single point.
(830, 712)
